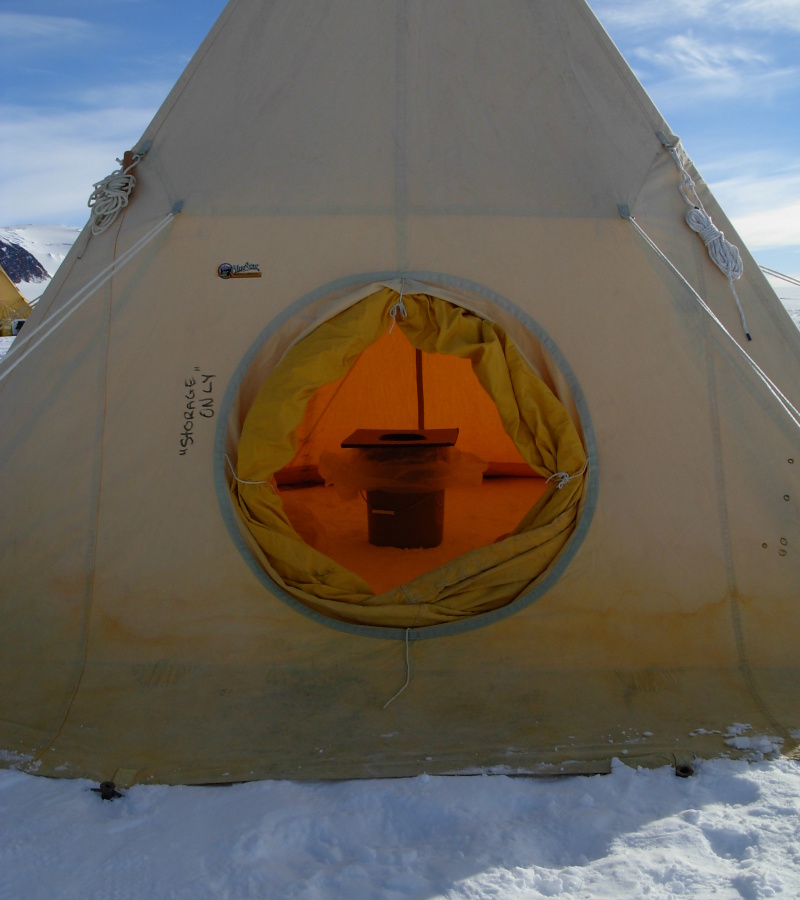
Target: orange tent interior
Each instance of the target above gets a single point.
(393, 386)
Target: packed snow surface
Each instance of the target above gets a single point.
(732, 830)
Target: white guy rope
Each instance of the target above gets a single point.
(776, 392)
(241, 480)
(779, 275)
(723, 253)
(40, 334)
(408, 674)
(110, 196)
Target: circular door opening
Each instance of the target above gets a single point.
(462, 491)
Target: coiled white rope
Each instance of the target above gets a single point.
(111, 195)
(40, 334)
(782, 400)
(723, 253)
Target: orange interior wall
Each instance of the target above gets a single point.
(380, 391)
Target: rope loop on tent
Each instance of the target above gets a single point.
(400, 308)
(562, 479)
(35, 338)
(111, 195)
(723, 253)
(408, 674)
(782, 400)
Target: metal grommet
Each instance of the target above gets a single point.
(784, 542)
(791, 462)
(764, 546)
(786, 497)
(781, 553)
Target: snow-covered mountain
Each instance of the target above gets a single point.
(20, 264)
(30, 254)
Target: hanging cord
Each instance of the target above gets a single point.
(723, 253)
(564, 478)
(35, 338)
(241, 481)
(111, 195)
(399, 307)
(408, 674)
(776, 392)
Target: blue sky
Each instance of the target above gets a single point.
(80, 80)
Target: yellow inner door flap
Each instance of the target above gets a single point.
(511, 484)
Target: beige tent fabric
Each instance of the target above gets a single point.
(476, 148)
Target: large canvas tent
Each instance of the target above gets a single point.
(13, 306)
(389, 214)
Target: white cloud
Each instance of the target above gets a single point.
(25, 28)
(650, 15)
(641, 15)
(768, 15)
(696, 57)
(764, 204)
(136, 95)
(775, 227)
(696, 68)
(51, 156)
(49, 160)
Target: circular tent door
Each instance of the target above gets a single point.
(396, 361)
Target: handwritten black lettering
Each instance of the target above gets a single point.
(195, 401)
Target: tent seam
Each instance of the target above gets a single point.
(400, 185)
(90, 603)
(734, 602)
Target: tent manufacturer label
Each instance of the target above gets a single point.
(246, 270)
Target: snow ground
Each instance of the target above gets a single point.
(793, 308)
(730, 831)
